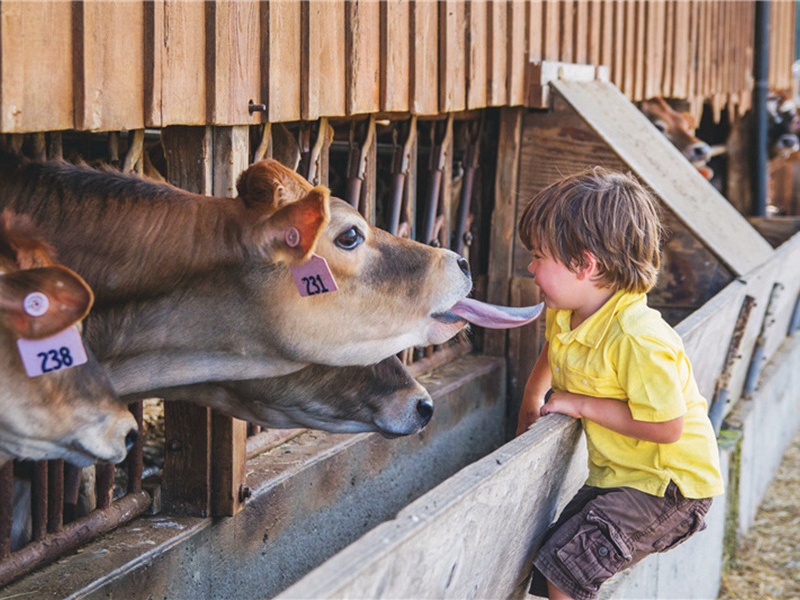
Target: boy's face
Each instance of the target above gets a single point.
(561, 288)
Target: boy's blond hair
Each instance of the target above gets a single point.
(607, 213)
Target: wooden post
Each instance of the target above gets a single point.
(228, 435)
(186, 485)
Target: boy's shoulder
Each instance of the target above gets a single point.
(639, 320)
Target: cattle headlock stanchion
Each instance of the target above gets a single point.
(357, 162)
(441, 134)
(400, 217)
(473, 131)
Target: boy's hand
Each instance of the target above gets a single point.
(564, 403)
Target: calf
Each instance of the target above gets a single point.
(66, 413)
(679, 129)
(193, 288)
(383, 397)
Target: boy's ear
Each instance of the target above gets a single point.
(589, 268)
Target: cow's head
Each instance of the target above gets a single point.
(679, 128)
(392, 293)
(71, 413)
(783, 125)
(383, 397)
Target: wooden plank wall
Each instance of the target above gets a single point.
(92, 65)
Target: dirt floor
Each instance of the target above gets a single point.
(767, 564)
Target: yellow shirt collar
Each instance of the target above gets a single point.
(592, 330)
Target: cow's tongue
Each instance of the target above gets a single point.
(496, 317)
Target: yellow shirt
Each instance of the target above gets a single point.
(628, 352)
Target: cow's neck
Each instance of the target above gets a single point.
(128, 237)
(150, 372)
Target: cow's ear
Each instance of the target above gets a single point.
(269, 185)
(290, 235)
(691, 121)
(38, 303)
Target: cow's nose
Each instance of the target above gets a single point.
(700, 152)
(463, 264)
(425, 410)
(130, 439)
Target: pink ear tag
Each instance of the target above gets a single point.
(59, 352)
(314, 277)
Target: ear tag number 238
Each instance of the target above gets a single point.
(314, 276)
(59, 352)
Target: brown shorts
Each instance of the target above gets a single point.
(603, 531)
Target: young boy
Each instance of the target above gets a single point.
(614, 363)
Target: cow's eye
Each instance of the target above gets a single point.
(661, 126)
(350, 239)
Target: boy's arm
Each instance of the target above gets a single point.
(614, 415)
(535, 389)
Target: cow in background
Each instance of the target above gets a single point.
(679, 128)
(783, 125)
(67, 413)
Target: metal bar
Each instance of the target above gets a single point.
(760, 92)
(401, 166)
(717, 409)
(6, 507)
(55, 496)
(39, 499)
(794, 324)
(135, 458)
(757, 360)
(73, 535)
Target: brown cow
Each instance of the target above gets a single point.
(382, 397)
(679, 129)
(64, 413)
(193, 289)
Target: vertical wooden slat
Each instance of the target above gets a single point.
(36, 62)
(596, 33)
(535, 30)
(183, 63)
(364, 73)
(668, 52)
(640, 56)
(281, 54)
(452, 44)
(629, 49)
(323, 59)
(581, 55)
(108, 83)
(497, 61)
(551, 48)
(235, 55)
(105, 477)
(153, 35)
(477, 54)
(394, 52)
(617, 12)
(517, 56)
(567, 48)
(424, 45)
(681, 50)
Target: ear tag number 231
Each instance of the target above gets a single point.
(59, 352)
(314, 276)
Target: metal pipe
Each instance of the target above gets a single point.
(760, 91)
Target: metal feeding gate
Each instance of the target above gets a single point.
(418, 179)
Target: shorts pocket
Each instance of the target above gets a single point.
(595, 553)
(687, 528)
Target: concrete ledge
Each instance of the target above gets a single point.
(311, 498)
(473, 535)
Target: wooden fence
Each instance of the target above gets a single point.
(97, 65)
